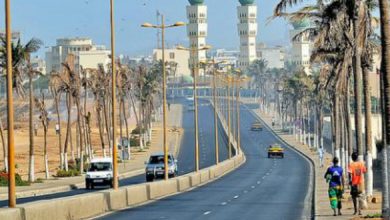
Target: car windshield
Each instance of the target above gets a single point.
(158, 159)
(100, 166)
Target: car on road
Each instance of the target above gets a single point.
(155, 167)
(256, 126)
(99, 172)
(275, 150)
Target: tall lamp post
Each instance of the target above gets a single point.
(163, 27)
(195, 70)
(215, 66)
(113, 96)
(10, 110)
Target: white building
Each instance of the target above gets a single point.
(86, 54)
(247, 31)
(180, 57)
(197, 30)
(38, 64)
(229, 57)
(275, 56)
(301, 46)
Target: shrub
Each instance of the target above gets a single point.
(137, 130)
(69, 173)
(134, 141)
(18, 180)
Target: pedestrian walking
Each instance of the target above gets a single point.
(57, 129)
(334, 175)
(321, 156)
(169, 106)
(356, 170)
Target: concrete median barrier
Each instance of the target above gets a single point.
(183, 183)
(162, 188)
(75, 207)
(137, 194)
(195, 179)
(14, 214)
(204, 175)
(116, 199)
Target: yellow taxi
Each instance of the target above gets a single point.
(275, 150)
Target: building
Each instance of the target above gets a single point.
(87, 55)
(197, 31)
(275, 56)
(247, 31)
(301, 46)
(180, 57)
(15, 36)
(38, 64)
(229, 57)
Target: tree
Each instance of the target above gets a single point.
(43, 117)
(385, 66)
(22, 67)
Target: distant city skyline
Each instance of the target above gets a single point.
(49, 20)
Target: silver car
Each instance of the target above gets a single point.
(155, 167)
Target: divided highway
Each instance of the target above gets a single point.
(262, 188)
(185, 157)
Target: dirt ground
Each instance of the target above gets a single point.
(22, 141)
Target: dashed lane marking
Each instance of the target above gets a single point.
(206, 213)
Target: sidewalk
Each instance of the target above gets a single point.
(135, 166)
(322, 206)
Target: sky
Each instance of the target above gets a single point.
(49, 20)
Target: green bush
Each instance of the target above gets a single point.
(69, 173)
(18, 180)
(137, 130)
(134, 141)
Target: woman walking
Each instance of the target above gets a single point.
(334, 175)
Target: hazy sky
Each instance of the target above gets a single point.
(52, 19)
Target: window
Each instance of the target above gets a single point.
(172, 55)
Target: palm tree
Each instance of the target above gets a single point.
(43, 117)
(257, 71)
(385, 42)
(22, 65)
(56, 91)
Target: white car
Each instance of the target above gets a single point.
(99, 173)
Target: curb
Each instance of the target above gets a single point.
(310, 207)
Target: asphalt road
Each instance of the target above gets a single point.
(262, 188)
(185, 158)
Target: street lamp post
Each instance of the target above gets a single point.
(195, 70)
(214, 65)
(10, 110)
(163, 27)
(113, 96)
(229, 115)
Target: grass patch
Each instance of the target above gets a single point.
(377, 215)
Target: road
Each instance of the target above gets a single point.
(262, 188)
(185, 158)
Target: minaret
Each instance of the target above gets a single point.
(247, 30)
(197, 30)
(301, 47)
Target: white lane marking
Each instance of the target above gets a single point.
(206, 213)
(263, 177)
(235, 197)
(245, 191)
(224, 203)
(253, 187)
(258, 182)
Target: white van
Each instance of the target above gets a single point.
(99, 173)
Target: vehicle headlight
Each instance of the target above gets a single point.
(88, 176)
(108, 176)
